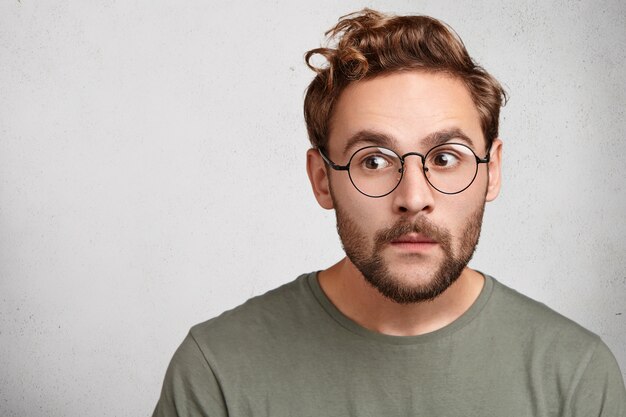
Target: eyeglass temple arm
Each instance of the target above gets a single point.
(331, 163)
(486, 159)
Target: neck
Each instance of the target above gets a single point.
(347, 289)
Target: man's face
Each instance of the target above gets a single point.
(413, 243)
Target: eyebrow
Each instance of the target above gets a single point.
(371, 137)
(443, 136)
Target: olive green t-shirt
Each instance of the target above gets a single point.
(291, 353)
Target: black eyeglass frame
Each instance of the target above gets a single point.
(346, 167)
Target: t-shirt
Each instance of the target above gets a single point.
(291, 352)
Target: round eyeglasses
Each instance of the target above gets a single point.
(375, 171)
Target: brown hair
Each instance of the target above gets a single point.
(370, 43)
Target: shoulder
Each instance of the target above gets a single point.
(511, 308)
(551, 347)
(541, 335)
(261, 323)
(228, 349)
(258, 310)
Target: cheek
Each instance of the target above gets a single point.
(469, 200)
(357, 206)
(460, 211)
(368, 215)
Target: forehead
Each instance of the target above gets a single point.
(407, 107)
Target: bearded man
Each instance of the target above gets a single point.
(405, 148)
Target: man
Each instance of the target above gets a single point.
(404, 128)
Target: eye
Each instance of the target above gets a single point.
(444, 159)
(375, 162)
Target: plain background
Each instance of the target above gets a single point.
(152, 175)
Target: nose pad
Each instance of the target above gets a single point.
(414, 193)
(423, 169)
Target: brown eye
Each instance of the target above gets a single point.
(444, 160)
(375, 162)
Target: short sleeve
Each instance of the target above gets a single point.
(190, 387)
(599, 390)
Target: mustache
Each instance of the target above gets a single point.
(419, 225)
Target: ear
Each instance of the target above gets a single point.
(316, 168)
(495, 170)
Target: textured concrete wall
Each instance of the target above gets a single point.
(152, 175)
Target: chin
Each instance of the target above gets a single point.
(411, 287)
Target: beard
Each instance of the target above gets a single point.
(417, 288)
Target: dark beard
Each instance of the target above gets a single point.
(376, 272)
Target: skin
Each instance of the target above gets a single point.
(406, 107)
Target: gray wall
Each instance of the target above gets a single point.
(152, 175)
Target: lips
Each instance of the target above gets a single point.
(413, 238)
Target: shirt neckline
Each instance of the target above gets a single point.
(359, 330)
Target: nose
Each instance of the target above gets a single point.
(413, 194)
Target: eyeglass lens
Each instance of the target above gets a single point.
(449, 168)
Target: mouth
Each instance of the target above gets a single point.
(414, 242)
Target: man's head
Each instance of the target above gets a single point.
(369, 44)
(408, 85)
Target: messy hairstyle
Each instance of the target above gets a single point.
(369, 43)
